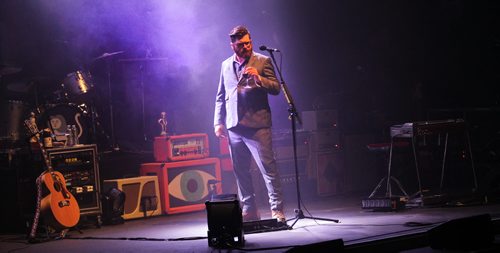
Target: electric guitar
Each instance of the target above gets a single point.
(59, 207)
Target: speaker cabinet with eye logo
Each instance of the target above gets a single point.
(184, 185)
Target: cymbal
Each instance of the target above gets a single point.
(8, 70)
(105, 55)
(143, 59)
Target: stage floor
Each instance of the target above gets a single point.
(359, 230)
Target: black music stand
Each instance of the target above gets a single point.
(292, 111)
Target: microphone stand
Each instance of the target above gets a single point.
(292, 112)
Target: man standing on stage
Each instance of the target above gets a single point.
(242, 114)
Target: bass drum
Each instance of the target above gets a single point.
(58, 117)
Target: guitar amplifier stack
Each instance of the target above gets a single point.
(187, 176)
(326, 150)
(79, 166)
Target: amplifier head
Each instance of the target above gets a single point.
(181, 147)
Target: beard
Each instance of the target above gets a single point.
(244, 53)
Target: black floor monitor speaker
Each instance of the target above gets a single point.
(465, 233)
(225, 223)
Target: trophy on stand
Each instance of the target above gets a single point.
(163, 123)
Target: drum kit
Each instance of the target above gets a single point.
(70, 104)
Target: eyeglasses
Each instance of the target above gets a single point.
(241, 44)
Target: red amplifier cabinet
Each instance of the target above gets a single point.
(184, 185)
(181, 147)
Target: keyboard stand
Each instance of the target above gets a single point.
(388, 179)
(419, 196)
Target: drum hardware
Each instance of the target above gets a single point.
(40, 84)
(108, 56)
(58, 117)
(77, 92)
(60, 95)
(11, 118)
(9, 70)
(61, 111)
(143, 67)
(19, 86)
(83, 115)
(77, 83)
(96, 124)
(84, 108)
(10, 152)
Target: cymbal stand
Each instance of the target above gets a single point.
(96, 123)
(114, 145)
(293, 116)
(143, 68)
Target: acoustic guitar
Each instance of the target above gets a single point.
(59, 207)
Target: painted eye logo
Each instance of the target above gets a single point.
(190, 185)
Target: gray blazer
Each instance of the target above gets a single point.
(241, 101)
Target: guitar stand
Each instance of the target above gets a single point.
(47, 235)
(77, 228)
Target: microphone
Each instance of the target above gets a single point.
(264, 48)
